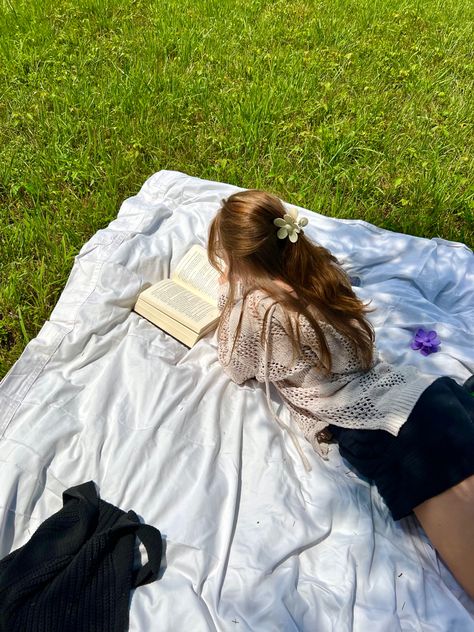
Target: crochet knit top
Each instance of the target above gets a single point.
(381, 397)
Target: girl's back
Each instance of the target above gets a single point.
(290, 316)
(349, 395)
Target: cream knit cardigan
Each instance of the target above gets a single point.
(379, 398)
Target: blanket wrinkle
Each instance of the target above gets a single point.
(232, 494)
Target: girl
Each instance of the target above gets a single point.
(289, 316)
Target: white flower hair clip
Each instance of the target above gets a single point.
(290, 225)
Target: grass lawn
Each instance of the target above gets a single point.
(352, 108)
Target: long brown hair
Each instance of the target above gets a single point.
(244, 236)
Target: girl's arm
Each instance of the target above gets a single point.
(236, 363)
(247, 359)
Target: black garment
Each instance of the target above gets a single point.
(433, 450)
(469, 384)
(76, 572)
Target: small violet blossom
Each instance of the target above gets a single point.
(425, 341)
(290, 225)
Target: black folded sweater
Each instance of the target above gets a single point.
(76, 571)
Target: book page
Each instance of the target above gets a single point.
(181, 304)
(195, 271)
(168, 324)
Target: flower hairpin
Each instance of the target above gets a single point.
(425, 341)
(290, 225)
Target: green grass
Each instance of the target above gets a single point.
(352, 108)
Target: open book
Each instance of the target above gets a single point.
(184, 306)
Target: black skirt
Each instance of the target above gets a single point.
(433, 450)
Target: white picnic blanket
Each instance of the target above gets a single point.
(253, 541)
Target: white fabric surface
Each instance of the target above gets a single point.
(253, 541)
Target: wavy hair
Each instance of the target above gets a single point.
(243, 237)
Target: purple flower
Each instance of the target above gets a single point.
(426, 341)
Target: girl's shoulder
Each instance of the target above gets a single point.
(259, 305)
(260, 302)
(258, 298)
(256, 303)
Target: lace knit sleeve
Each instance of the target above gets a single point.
(222, 296)
(247, 360)
(281, 357)
(236, 363)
